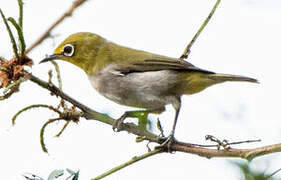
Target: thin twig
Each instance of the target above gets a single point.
(186, 52)
(242, 142)
(225, 143)
(20, 3)
(20, 35)
(58, 74)
(47, 33)
(272, 174)
(32, 107)
(14, 84)
(133, 160)
(15, 49)
(43, 146)
(57, 91)
(50, 76)
(63, 128)
(6, 96)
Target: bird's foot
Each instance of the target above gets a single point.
(167, 143)
(117, 125)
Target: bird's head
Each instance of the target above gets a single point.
(79, 49)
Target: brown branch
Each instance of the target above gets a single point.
(248, 154)
(90, 114)
(47, 33)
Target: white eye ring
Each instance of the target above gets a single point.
(68, 50)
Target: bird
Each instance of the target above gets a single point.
(137, 78)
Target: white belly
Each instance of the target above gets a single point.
(138, 89)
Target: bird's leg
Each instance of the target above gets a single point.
(171, 137)
(140, 114)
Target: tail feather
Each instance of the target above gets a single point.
(228, 77)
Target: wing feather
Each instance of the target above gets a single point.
(161, 64)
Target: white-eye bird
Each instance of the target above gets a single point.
(137, 78)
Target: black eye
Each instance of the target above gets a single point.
(68, 50)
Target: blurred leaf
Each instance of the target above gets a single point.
(250, 174)
(73, 175)
(70, 171)
(55, 174)
(76, 176)
(30, 176)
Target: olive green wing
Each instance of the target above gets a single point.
(161, 64)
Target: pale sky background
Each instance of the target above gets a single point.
(243, 37)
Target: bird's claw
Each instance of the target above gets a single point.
(117, 125)
(167, 143)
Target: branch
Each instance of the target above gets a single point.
(47, 33)
(186, 51)
(133, 160)
(247, 154)
(90, 114)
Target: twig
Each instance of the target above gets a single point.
(20, 35)
(225, 143)
(15, 49)
(14, 84)
(32, 107)
(186, 52)
(50, 76)
(6, 96)
(58, 74)
(47, 33)
(248, 154)
(57, 92)
(20, 13)
(272, 174)
(133, 160)
(242, 142)
(63, 128)
(43, 146)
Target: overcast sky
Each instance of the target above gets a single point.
(243, 38)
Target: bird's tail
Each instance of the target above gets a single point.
(227, 77)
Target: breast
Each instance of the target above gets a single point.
(149, 89)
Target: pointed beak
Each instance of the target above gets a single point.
(51, 58)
